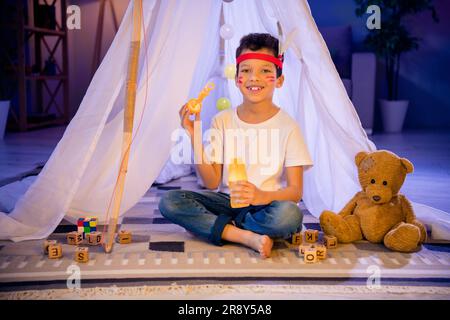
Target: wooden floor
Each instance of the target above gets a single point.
(22, 153)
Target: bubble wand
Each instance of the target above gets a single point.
(195, 104)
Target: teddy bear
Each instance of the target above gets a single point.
(378, 213)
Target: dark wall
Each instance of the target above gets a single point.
(424, 74)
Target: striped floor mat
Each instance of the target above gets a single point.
(161, 250)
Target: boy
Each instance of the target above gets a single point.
(271, 210)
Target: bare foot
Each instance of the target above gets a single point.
(261, 243)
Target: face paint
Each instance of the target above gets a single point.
(270, 78)
(239, 80)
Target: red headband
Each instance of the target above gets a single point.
(261, 56)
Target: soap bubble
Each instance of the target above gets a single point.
(223, 103)
(230, 71)
(226, 31)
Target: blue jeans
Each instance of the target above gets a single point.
(206, 213)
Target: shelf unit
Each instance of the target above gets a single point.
(43, 94)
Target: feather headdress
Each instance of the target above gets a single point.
(284, 43)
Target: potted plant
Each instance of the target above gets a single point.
(389, 43)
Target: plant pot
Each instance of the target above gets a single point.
(4, 109)
(393, 114)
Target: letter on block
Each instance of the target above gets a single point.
(321, 252)
(74, 237)
(311, 236)
(310, 255)
(54, 251)
(302, 248)
(47, 243)
(330, 241)
(297, 239)
(82, 254)
(124, 237)
(94, 238)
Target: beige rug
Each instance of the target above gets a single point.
(162, 251)
(237, 292)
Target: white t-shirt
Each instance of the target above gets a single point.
(265, 148)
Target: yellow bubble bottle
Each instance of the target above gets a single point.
(236, 172)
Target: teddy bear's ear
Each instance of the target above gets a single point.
(360, 157)
(407, 164)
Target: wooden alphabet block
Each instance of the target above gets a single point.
(94, 238)
(74, 238)
(302, 248)
(54, 251)
(321, 252)
(82, 254)
(124, 237)
(297, 238)
(47, 243)
(330, 241)
(311, 236)
(310, 255)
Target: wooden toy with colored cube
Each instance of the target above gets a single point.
(55, 251)
(124, 237)
(94, 238)
(82, 254)
(87, 225)
(74, 238)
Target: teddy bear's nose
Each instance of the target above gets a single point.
(376, 198)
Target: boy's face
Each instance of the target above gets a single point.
(257, 79)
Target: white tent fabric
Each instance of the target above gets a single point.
(180, 49)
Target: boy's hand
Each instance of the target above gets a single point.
(248, 193)
(187, 123)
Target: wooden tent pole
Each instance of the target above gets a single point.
(130, 99)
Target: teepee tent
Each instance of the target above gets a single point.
(179, 50)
